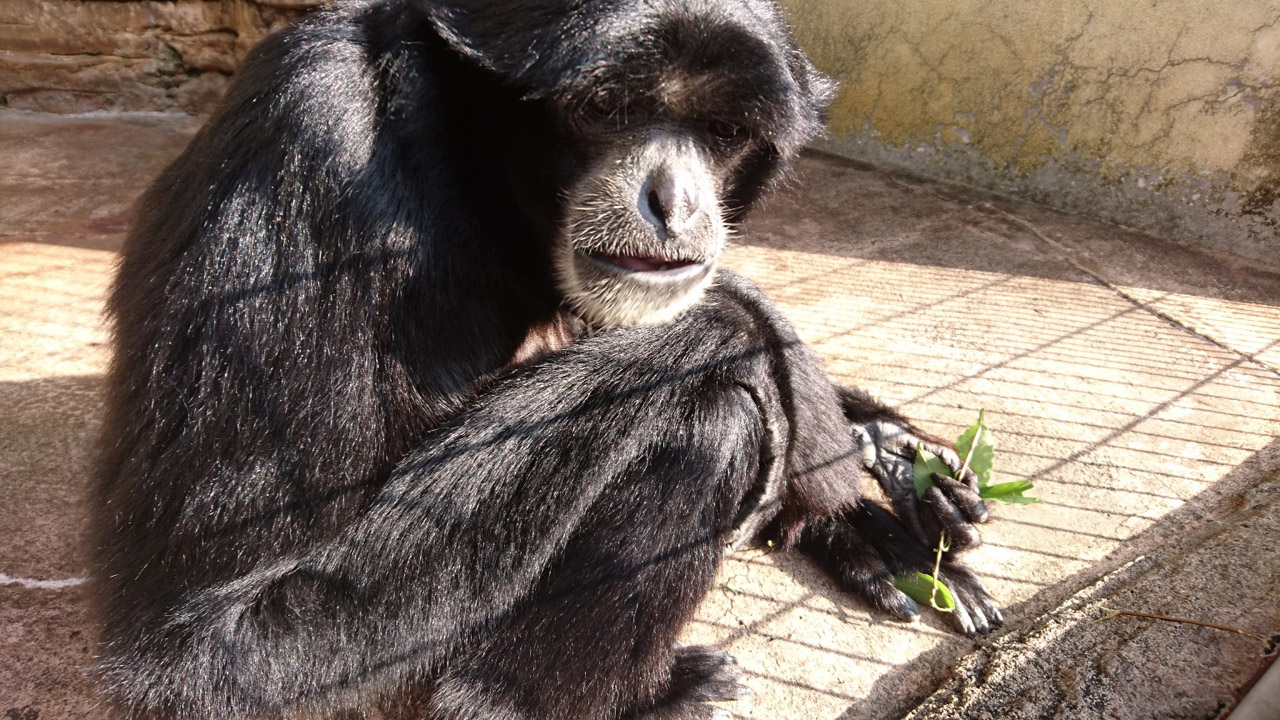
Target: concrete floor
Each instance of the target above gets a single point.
(1135, 380)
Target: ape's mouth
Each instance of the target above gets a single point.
(646, 263)
(637, 287)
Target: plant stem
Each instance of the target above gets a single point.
(943, 546)
(1188, 621)
(969, 455)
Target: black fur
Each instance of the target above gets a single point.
(347, 451)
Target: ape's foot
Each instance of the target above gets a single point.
(700, 675)
(866, 547)
(706, 675)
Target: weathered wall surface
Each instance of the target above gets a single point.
(84, 55)
(1159, 114)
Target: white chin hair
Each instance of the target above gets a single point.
(626, 301)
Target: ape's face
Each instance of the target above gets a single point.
(682, 124)
(645, 226)
(671, 117)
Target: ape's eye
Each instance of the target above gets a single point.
(727, 133)
(604, 105)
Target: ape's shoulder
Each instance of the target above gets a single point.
(334, 66)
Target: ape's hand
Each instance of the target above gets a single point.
(865, 548)
(888, 450)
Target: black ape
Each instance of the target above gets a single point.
(426, 385)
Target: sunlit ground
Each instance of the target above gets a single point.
(1117, 416)
(1135, 409)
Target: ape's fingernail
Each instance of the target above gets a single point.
(908, 610)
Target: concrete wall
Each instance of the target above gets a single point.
(1159, 114)
(78, 56)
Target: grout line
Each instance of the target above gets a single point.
(33, 584)
(1069, 256)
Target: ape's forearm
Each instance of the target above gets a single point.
(467, 525)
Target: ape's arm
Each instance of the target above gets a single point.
(864, 547)
(470, 523)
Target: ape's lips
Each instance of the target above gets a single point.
(644, 263)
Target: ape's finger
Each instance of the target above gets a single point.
(964, 497)
(949, 519)
(991, 611)
(973, 610)
(908, 511)
(945, 454)
(961, 616)
(970, 479)
(929, 521)
(864, 446)
(954, 463)
(969, 591)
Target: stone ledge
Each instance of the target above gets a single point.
(72, 57)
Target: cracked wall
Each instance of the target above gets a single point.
(1158, 114)
(83, 55)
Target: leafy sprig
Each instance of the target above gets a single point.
(977, 447)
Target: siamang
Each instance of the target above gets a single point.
(427, 393)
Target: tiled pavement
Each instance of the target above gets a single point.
(1135, 380)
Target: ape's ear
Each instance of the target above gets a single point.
(817, 90)
(528, 43)
(809, 104)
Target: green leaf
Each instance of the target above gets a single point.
(1016, 487)
(1009, 492)
(979, 438)
(918, 586)
(926, 463)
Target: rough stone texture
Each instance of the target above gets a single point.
(70, 56)
(45, 644)
(1129, 668)
(1133, 379)
(1161, 116)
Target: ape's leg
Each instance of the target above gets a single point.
(598, 633)
(641, 443)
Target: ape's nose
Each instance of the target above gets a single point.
(671, 201)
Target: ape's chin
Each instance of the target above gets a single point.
(616, 290)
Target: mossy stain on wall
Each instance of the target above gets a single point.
(1164, 109)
